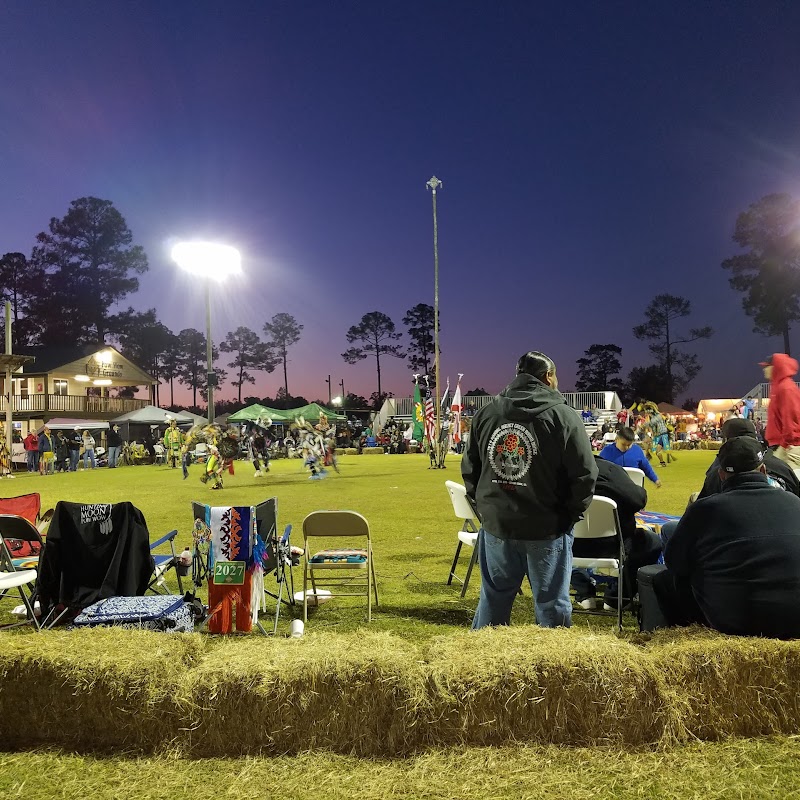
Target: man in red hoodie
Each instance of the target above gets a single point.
(783, 416)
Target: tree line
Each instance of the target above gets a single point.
(86, 264)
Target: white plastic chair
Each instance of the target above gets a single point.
(601, 521)
(200, 452)
(160, 453)
(17, 580)
(468, 535)
(636, 475)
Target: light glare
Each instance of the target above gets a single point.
(211, 260)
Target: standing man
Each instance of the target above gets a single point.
(529, 471)
(173, 442)
(74, 442)
(783, 412)
(114, 446)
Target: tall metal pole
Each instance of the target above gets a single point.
(433, 184)
(210, 376)
(9, 390)
(341, 383)
(328, 381)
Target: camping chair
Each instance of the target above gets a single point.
(468, 535)
(601, 521)
(160, 454)
(28, 506)
(636, 475)
(276, 559)
(347, 524)
(164, 562)
(92, 552)
(20, 547)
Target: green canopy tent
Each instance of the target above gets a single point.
(253, 412)
(312, 412)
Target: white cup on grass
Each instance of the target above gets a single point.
(296, 629)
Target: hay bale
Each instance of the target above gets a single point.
(351, 451)
(355, 693)
(529, 684)
(372, 451)
(103, 689)
(730, 685)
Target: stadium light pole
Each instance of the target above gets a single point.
(211, 261)
(433, 184)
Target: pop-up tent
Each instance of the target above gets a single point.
(67, 424)
(312, 412)
(257, 411)
(153, 415)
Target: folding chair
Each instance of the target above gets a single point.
(28, 506)
(601, 521)
(93, 551)
(200, 452)
(468, 535)
(18, 535)
(164, 562)
(344, 524)
(160, 454)
(636, 475)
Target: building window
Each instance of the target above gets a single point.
(60, 388)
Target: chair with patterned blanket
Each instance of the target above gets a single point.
(93, 551)
(267, 553)
(335, 564)
(20, 548)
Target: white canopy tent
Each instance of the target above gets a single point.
(153, 415)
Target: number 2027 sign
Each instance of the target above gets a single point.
(229, 573)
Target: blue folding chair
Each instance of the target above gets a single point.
(164, 562)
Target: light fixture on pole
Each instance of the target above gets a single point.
(341, 383)
(433, 184)
(328, 381)
(213, 262)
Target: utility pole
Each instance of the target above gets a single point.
(328, 381)
(341, 383)
(433, 184)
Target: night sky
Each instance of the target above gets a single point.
(593, 155)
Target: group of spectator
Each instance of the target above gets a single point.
(732, 562)
(61, 451)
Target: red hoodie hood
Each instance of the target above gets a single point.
(783, 366)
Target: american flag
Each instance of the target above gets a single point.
(430, 416)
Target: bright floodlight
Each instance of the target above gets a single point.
(337, 401)
(217, 261)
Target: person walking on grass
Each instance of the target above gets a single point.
(530, 473)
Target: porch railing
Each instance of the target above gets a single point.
(71, 404)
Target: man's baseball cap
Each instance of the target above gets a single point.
(738, 427)
(741, 454)
(767, 362)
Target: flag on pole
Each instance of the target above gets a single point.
(446, 398)
(419, 414)
(456, 409)
(430, 417)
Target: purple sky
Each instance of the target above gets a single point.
(593, 155)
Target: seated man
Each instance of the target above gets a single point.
(625, 453)
(733, 562)
(642, 547)
(779, 472)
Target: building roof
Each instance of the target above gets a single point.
(80, 358)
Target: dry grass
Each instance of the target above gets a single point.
(768, 768)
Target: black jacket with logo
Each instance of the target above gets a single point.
(529, 467)
(776, 469)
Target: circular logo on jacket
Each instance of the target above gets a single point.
(511, 449)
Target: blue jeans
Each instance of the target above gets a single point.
(505, 562)
(88, 456)
(113, 456)
(74, 457)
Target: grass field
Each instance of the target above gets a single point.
(414, 533)
(410, 516)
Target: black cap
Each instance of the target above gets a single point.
(741, 454)
(738, 427)
(767, 362)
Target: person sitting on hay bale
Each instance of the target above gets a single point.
(733, 560)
